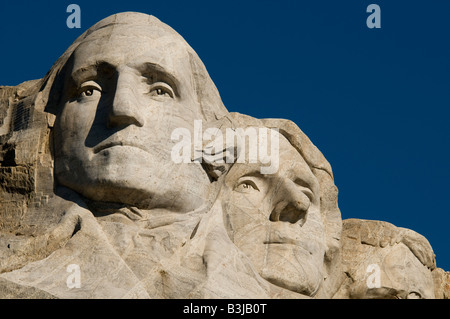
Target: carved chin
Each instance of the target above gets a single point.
(145, 192)
(294, 270)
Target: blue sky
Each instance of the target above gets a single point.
(374, 101)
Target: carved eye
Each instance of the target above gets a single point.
(246, 186)
(88, 89)
(161, 89)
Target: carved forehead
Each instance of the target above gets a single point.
(156, 32)
(136, 20)
(125, 43)
(291, 163)
(139, 32)
(115, 51)
(138, 29)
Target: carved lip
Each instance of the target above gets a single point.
(292, 243)
(102, 146)
(282, 236)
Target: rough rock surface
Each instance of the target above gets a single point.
(402, 259)
(95, 201)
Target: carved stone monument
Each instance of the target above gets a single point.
(109, 188)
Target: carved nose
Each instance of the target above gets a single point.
(125, 108)
(288, 212)
(292, 204)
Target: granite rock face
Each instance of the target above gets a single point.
(123, 175)
(384, 261)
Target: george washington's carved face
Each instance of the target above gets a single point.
(126, 89)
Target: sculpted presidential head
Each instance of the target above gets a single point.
(275, 220)
(285, 221)
(118, 92)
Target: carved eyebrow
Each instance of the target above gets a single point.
(158, 73)
(153, 71)
(89, 72)
(83, 73)
(300, 181)
(254, 173)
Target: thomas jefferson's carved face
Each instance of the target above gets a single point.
(126, 90)
(276, 221)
